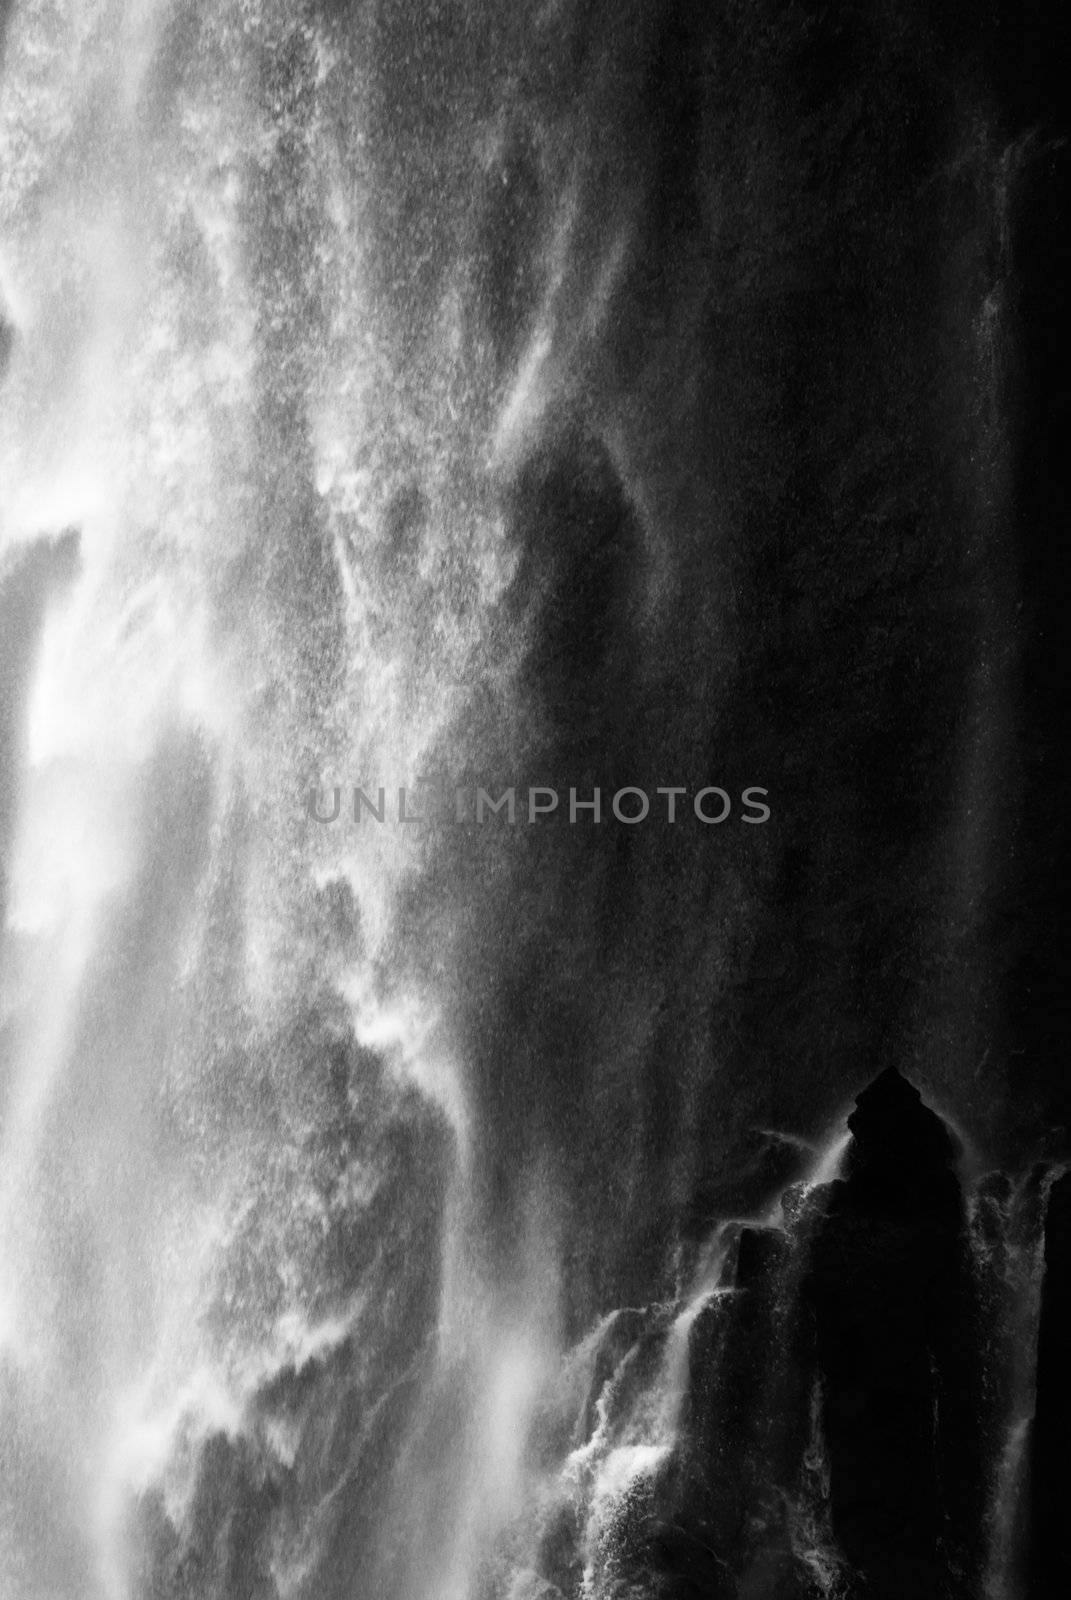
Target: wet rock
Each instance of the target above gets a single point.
(889, 1290)
(848, 1381)
(625, 1331)
(759, 1164)
(743, 1433)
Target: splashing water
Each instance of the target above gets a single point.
(363, 421)
(198, 383)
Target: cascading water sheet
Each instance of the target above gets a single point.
(530, 1061)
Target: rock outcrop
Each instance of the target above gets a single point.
(837, 1409)
(890, 1291)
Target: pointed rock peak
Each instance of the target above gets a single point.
(891, 1107)
(901, 1151)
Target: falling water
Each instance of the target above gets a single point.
(384, 400)
(199, 988)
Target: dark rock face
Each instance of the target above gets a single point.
(889, 1289)
(901, 1155)
(746, 1426)
(854, 1383)
(836, 1404)
(1051, 1561)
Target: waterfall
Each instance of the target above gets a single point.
(406, 399)
(215, 1067)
